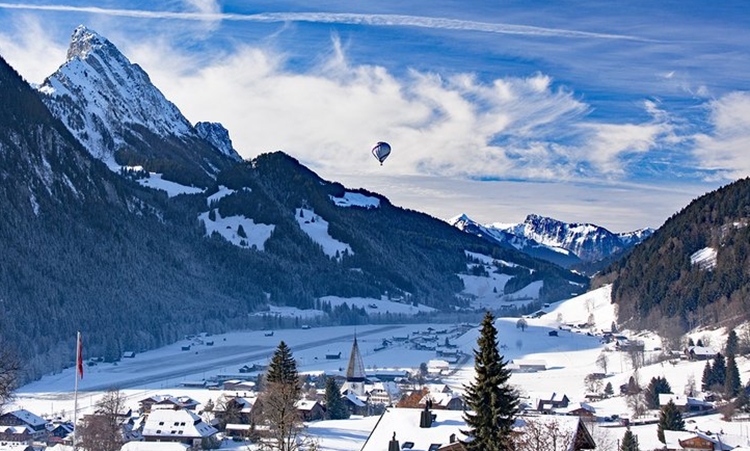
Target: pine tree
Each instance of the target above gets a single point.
(657, 386)
(732, 383)
(718, 371)
(629, 441)
(670, 419)
(335, 407)
(491, 402)
(608, 390)
(283, 367)
(706, 379)
(277, 402)
(733, 344)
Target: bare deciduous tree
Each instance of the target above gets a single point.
(602, 362)
(9, 371)
(636, 403)
(103, 430)
(544, 436)
(278, 412)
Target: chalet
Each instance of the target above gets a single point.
(443, 401)
(332, 356)
(16, 435)
(58, 430)
(547, 401)
(235, 410)
(154, 446)
(169, 425)
(526, 366)
(22, 417)
(552, 333)
(700, 353)
(579, 409)
(310, 410)
(421, 429)
(181, 402)
(356, 404)
(697, 441)
(128, 355)
(239, 385)
(685, 403)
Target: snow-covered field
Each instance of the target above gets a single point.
(568, 357)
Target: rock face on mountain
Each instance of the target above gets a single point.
(556, 241)
(214, 133)
(113, 109)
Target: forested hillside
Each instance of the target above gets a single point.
(695, 270)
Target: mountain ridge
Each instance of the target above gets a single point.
(566, 244)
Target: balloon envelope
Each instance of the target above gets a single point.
(381, 151)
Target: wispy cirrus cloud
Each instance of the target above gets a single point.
(210, 10)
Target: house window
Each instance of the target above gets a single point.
(158, 431)
(182, 424)
(407, 445)
(161, 423)
(180, 432)
(434, 447)
(176, 423)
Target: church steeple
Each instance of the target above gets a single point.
(355, 372)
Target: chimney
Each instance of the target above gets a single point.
(393, 444)
(452, 438)
(425, 419)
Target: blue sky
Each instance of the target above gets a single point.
(616, 113)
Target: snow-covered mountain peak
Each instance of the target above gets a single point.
(111, 106)
(588, 242)
(85, 41)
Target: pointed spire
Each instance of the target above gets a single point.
(355, 372)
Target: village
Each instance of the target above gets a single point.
(422, 403)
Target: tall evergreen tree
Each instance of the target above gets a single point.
(629, 441)
(657, 386)
(707, 376)
(335, 407)
(491, 401)
(733, 344)
(732, 383)
(277, 402)
(283, 367)
(670, 419)
(718, 371)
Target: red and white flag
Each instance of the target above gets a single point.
(79, 357)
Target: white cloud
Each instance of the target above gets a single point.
(727, 147)
(28, 47)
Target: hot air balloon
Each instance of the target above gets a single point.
(381, 151)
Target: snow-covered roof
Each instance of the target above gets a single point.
(305, 404)
(176, 423)
(28, 417)
(681, 400)
(404, 423)
(15, 429)
(154, 446)
(702, 350)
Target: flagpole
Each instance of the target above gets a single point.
(78, 373)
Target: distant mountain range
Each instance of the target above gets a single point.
(124, 221)
(562, 243)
